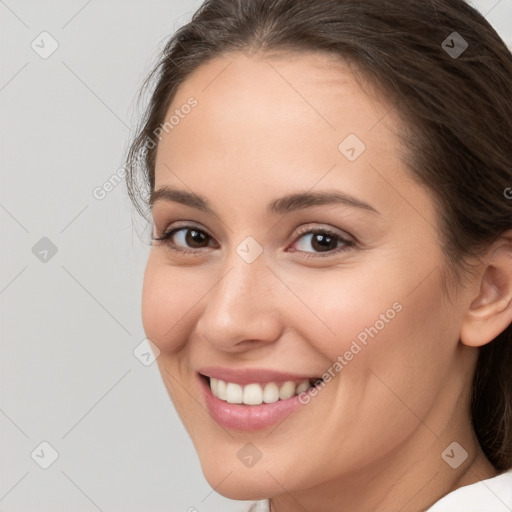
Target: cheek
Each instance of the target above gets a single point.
(407, 360)
(380, 337)
(338, 308)
(392, 312)
(384, 351)
(167, 305)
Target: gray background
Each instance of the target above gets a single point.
(70, 321)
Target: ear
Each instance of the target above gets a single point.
(490, 312)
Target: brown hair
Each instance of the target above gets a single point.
(457, 111)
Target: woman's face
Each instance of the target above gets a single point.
(277, 292)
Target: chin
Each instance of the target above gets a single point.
(245, 484)
(235, 488)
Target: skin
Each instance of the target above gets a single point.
(372, 439)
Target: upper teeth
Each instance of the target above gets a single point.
(256, 394)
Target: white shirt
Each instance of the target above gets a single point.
(491, 495)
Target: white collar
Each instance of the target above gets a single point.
(491, 495)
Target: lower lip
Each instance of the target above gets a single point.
(248, 418)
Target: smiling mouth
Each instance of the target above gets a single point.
(258, 393)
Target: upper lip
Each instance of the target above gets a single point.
(250, 375)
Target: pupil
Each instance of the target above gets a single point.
(194, 237)
(323, 241)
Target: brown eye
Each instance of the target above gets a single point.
(183, 238)
(194, 238)
(322, 241)
(190, 239)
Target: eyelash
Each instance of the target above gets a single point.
(347, 244)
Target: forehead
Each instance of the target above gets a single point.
(287, 96)
(276, 121)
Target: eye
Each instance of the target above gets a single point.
(325, 242)
(188, 236)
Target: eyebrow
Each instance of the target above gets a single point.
(280, 206)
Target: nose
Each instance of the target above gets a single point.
(241, 310)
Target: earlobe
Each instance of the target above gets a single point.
(490, 312)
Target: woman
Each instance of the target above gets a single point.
(330, 282)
